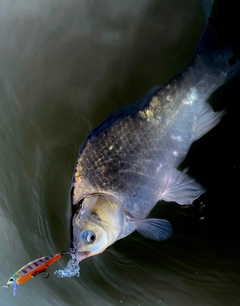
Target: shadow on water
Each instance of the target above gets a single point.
(76, 62)
(140, 65)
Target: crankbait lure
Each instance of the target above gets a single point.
(32, 269)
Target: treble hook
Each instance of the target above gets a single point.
(37, 273)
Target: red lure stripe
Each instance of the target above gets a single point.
(34, 267)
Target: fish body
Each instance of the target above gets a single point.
(129, 162)
(30, 270)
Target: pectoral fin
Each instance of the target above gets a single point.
(181, 188)
(156, 229)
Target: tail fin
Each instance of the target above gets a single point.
(220, 42)
(207, 6)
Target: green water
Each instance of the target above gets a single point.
(65, 66)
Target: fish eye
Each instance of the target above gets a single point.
(88, 236)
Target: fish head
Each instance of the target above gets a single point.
(99, 222)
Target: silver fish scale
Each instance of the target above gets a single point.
(130, 154)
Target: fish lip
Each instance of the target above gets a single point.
(76, 255)
(79, 256)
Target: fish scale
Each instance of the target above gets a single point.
(114, 155)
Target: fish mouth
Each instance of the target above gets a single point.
(76, 255)
(79, 256)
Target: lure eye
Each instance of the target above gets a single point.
(10, 281)
(88, 236)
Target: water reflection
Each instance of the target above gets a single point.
(64, 66)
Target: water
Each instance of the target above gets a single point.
(64, 66)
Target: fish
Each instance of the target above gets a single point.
(129, 163)
(31, 270)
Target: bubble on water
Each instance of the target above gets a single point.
(71, 269)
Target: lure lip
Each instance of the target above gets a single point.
(13, 283)
(10, 282)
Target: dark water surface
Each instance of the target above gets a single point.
(64, 66)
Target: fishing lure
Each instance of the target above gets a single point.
(32, 269)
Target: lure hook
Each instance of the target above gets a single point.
(37, 273)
